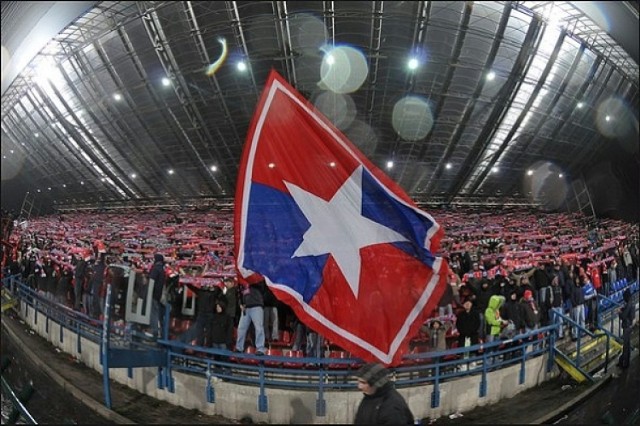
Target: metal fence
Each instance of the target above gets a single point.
(308, 373)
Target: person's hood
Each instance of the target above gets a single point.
(158, 257)
(495, 302)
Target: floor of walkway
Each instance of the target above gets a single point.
(544, 403)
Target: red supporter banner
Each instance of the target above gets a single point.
(333, 236)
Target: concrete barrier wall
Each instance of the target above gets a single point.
(296, 406)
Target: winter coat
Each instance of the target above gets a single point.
(531, 312)
(492, 314)
(512, 311)
(205, 299)
(97, 279)
(468, 323)
(483, 295)
(577, 296)
(627, 314)
(221, 326)
(157, 275)
(252, 296)
(385, 407)
(64, 284)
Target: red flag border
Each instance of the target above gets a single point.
(276, 83)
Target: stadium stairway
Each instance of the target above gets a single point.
(584, 358)
(7, 300)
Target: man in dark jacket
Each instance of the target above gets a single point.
(206, 297)
(512, 311)
(252, 308)
(95, 285)
(577, 307)
(157, 279)
(468, 323)
(382, 403)
(483, 294)
(79, 275)
(627, 316)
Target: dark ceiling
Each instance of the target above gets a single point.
(507, 98)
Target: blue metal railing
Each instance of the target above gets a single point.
(318, 374)
(609, 305)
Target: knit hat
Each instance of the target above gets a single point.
(374, 374)
(528, 294)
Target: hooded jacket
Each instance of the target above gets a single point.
(512, 311)
(492, 314)
(385, 407)
(531, 312)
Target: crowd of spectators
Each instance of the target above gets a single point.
(508, 270)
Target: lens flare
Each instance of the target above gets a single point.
(339, 109)
(308, 33)
(346, 72)
(12, 166)
(545, 187)
(365, 138)
(615, 120)
(412, 118)
(211, 69)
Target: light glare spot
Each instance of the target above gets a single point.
(491, 76)
(413, 64)
(346, 73)
(117, 96)
(412, 118)
(338, 108)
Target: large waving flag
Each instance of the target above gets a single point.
(332, 235)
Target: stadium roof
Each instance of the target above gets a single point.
(104, 102)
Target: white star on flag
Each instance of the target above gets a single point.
(338, 227)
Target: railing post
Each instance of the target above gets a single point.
(105, 350)
(523, 363)
(211, 391)
(552, 343)
(79, 344)
(435, 395)
(263, 404)
(483, 379)
(321, 404)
